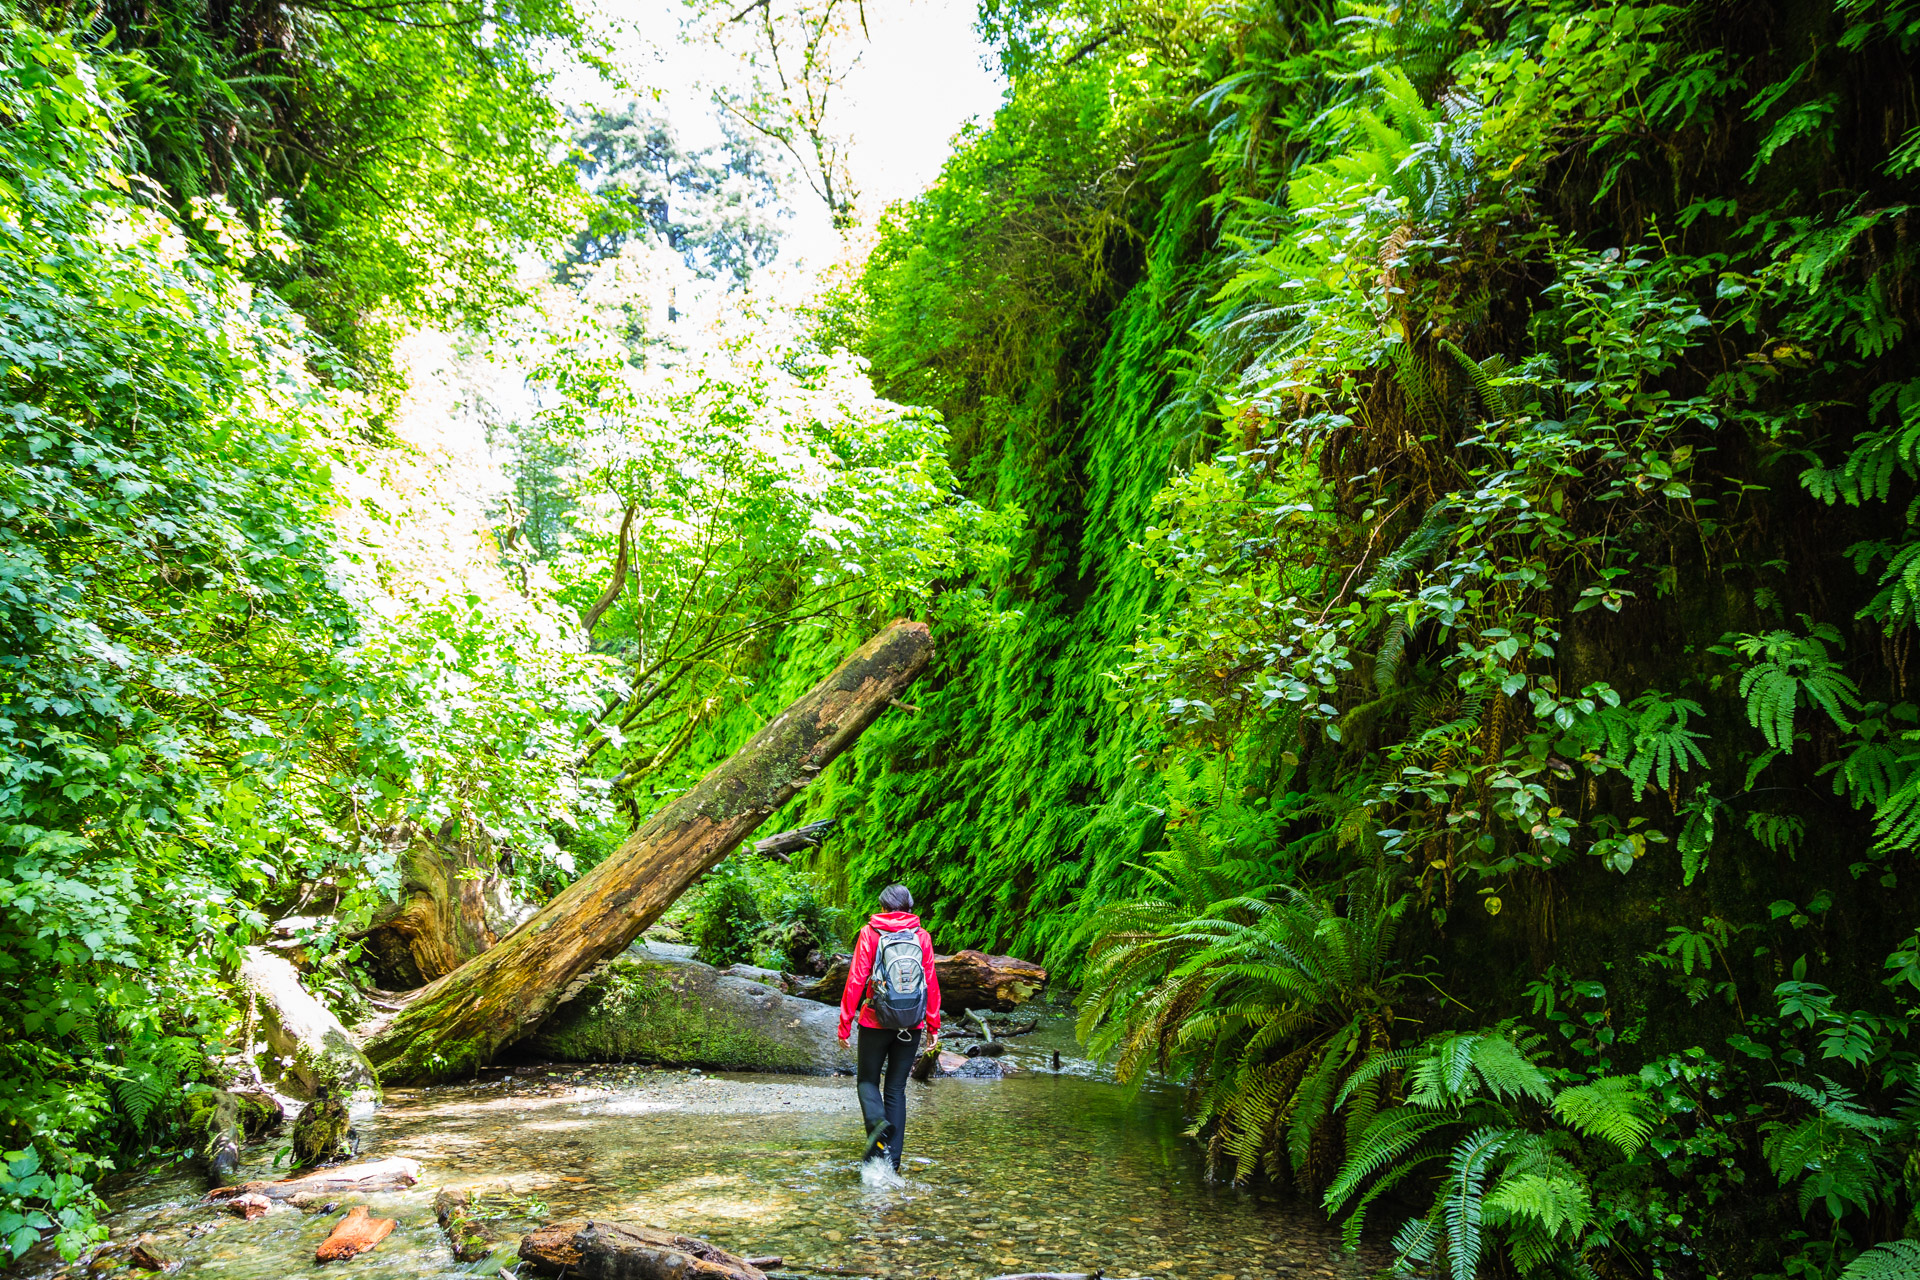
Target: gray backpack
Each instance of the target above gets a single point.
(897, 989)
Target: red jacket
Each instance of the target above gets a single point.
(863, 949)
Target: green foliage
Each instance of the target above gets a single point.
(1834, 1154)
(1266, 998)
(726, 918)
(1493, 462)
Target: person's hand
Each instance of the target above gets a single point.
(843, 1037)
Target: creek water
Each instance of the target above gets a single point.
(1040, 1171)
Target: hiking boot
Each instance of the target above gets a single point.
(877, 1139)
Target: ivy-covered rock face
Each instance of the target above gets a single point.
(681, 1013)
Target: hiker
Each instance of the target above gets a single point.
(902, 997)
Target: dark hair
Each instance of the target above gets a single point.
(895, 897)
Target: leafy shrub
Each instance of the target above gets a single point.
(726, 921)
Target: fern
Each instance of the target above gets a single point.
(1836, 1154)
(1889, 1260)
(1484, 376)
(1612, 1108)
(1788, 669)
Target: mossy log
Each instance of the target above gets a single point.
(458, 1023)
(968, 980)
(303, 1031)
(620, 1251)
(440, 920)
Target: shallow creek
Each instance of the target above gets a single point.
(1041, 1171)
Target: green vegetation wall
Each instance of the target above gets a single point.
(1469, 459)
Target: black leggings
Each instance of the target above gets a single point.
(885, 1056)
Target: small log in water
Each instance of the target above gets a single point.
(471, 1238)
(390, 1174)
(968, 980)
(354, 1235)
(591, 1250)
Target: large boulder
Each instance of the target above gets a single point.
(674, 1012)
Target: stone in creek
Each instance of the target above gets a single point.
(679, 1012)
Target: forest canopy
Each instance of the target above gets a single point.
(1416, 506)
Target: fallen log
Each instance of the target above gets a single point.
(783, 845)
(968, 980)
(391, 1174)
(353, 1235)
(986, 1049)
(772, 1262)
(459, 1022)
(301, 1030)
(589, 1250)
(471, 1238)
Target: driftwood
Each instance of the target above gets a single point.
(459, 1022)
(772, 1262)
(784, 845)
(471, 1238)
(986, 1049)
(968, 980)
(390, 1174)
(353, 1235)
(590, 1250)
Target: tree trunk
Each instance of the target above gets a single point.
(440, 920)
(303, 1032)
(619, 1251)
(968, 980)
(459, 1022)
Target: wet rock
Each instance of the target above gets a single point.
(675, 1012)
(248, 1205)
(301, 1029)
(323, 1131)
(471, 1238)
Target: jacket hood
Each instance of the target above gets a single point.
(893, 921)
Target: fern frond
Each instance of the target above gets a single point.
(1890, 1260)
(1613, 1109)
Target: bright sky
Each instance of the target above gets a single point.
(923, 74)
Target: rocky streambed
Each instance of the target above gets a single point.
(1039, 1171)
